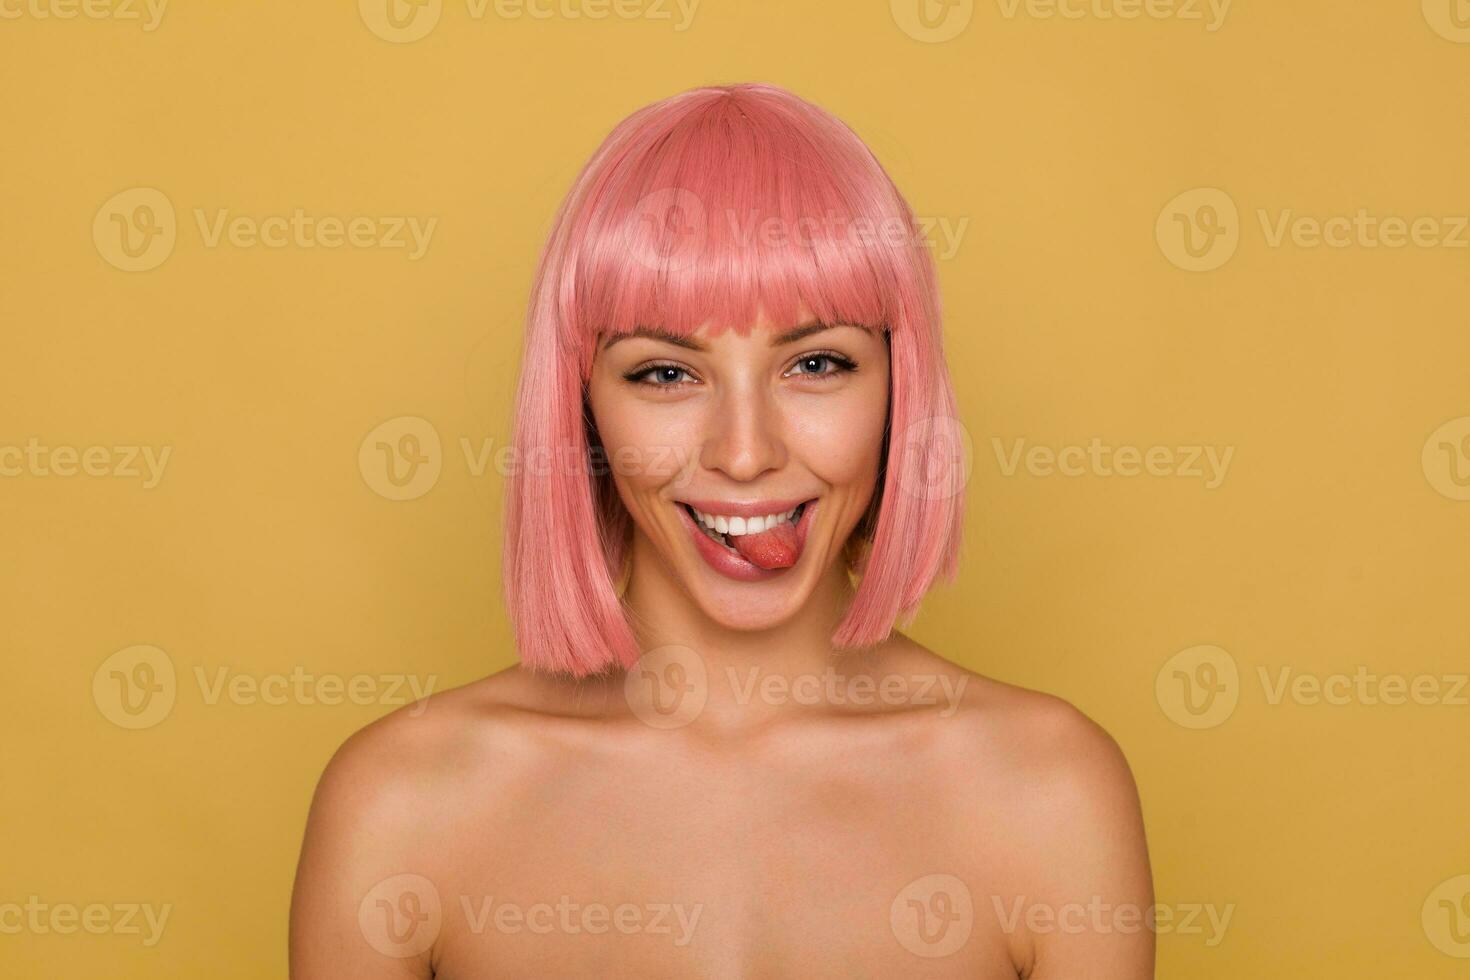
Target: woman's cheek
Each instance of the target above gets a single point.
(647, 446)
(843, 443)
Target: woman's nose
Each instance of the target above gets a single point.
(744, 435)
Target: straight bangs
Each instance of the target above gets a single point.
(710, 209)
(747, 206)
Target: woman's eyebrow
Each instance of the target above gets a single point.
(789, 337)
(653, 333)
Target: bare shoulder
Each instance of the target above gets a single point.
(453, 742)
(1039, 746)
(1056, 810)
(397, 791)
(384, 807)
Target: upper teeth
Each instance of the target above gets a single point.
(742, 525)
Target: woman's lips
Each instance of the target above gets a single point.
(731, 563)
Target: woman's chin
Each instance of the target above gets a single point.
(747, 606)
(745, 618)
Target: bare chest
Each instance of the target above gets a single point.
(852, 872)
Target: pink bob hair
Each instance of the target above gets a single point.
(655, 232)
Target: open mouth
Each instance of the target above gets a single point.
(724, 530)
(749, 549)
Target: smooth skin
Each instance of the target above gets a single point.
(788, 810)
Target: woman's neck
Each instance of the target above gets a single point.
(664, 615)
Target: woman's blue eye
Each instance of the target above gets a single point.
(667, 374)
(842, 363)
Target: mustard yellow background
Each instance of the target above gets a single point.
(1338, 377)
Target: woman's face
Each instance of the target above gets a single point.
(730, 427)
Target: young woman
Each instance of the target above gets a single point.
(738, 466)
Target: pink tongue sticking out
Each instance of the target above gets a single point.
(775, 548)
